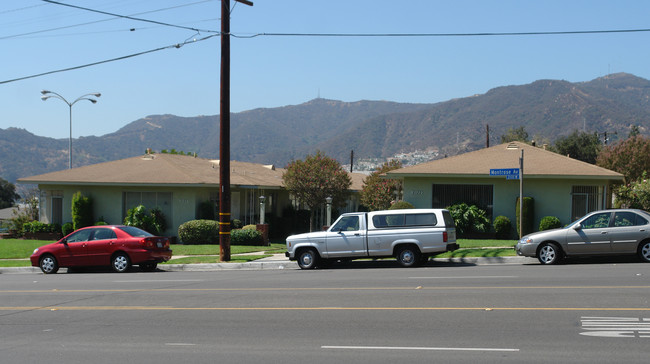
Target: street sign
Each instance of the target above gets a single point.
(509, 173)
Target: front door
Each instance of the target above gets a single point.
(346, 238)
(593, 236)
(75, 252)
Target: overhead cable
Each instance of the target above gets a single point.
(178, 45)
(129, 17)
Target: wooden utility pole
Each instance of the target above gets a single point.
(224, 133)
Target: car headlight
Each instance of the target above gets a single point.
(35, 251)
(526, 241)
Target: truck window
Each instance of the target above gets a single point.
(347, 223)
(421, 219)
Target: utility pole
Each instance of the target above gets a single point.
(224, 133)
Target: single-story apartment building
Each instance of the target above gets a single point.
(178, 184)
(560, 186)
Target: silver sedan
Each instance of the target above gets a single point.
(605, 232)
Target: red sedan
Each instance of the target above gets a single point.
(114, 245)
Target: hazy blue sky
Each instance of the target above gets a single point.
(273, 71)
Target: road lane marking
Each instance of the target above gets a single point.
(615, 326)
(164, 308)
(180, 344)
(415, 348)
(160, 280)
(464, 277)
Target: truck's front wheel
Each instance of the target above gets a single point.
(408, 256)
(308, 258)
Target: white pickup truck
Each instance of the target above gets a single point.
(411, 236)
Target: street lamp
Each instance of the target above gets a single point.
(48, 94)
(328, 199)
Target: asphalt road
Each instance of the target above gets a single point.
(596, 312)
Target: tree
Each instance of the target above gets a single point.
(377, 192)
(513, 135)
(8, 195)
(579, 145)
(314, 179)
(630, 157)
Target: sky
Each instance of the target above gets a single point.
(272, 70)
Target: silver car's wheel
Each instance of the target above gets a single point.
(408, 256)
(121, 262)
(307, 259)
(548, 254)
(644, 251)
(49, 264)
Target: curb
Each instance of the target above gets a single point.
(286, 264)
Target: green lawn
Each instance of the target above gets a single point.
(22, 249)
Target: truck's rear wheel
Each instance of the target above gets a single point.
(308, 259)
(408, 256)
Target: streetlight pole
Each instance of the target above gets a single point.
(49, 94)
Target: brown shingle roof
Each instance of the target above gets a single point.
(537, 163)
(163, 169)
(170, 169)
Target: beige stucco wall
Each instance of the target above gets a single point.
(108, 202)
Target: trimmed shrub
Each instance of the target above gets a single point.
(528, 224)
(400, 205)
(549, 222)
(502, 227)
(246, 236)
(82, 211)
(249, 227)
(199, 232)
(236, 224)
(67, 228)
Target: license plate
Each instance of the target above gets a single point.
(159, 245)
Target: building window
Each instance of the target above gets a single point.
(585, 199)
(149, 200)
(444, 196)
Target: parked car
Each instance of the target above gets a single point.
(410, 235)
(109, 245)
(605, 232)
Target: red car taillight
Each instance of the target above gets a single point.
(445, 237)
(147, 243)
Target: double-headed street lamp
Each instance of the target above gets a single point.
(48, 94)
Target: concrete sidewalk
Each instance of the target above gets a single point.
(279, 261)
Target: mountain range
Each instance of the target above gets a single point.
(547, 109)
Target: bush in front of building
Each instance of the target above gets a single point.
(248, 235)
(502, 227)
(528, 222)
(400, 205)
(469, 219)
(549, 222)
(82, 211)
(199, 232)
(67, 228)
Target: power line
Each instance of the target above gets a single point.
(127, 17)
(178, 45)
(485, 34)
(105, 20)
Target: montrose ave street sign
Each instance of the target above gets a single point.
(510, 173)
